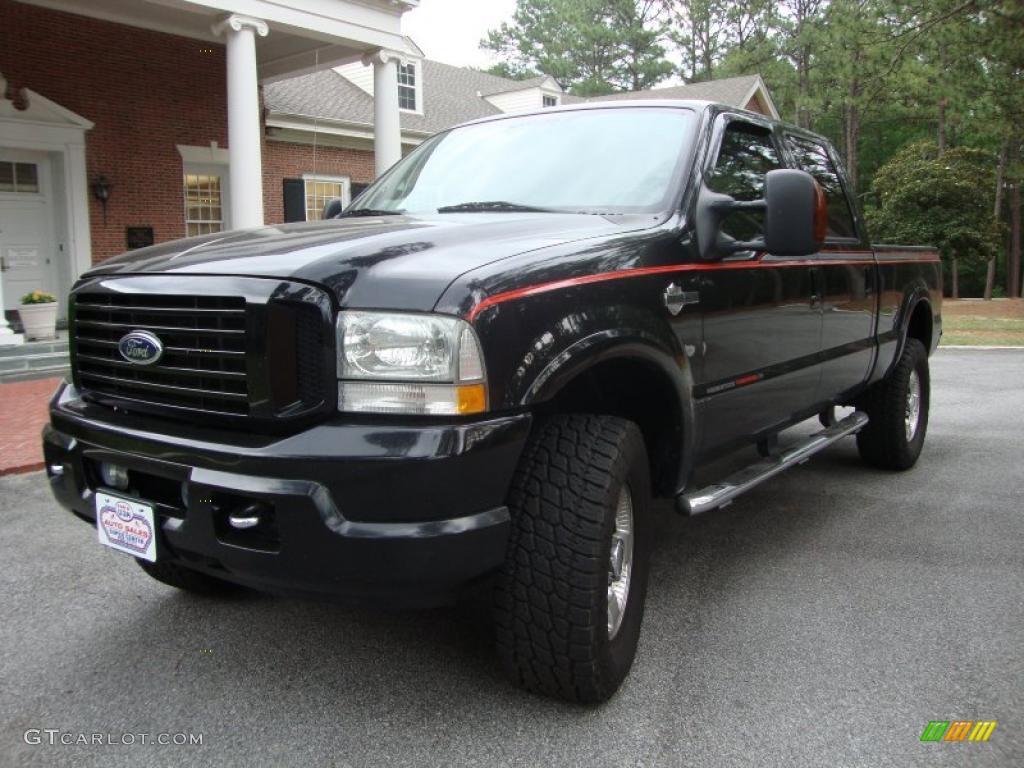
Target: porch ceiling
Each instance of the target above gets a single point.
(304, 34)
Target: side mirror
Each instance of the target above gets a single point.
(332, 208)
(795, 217)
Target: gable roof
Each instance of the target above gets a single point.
(508, 86)
(454, 95)
(732, 91)
(451, 95)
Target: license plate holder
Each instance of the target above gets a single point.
(126, 525)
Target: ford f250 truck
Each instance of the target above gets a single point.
(481, 372)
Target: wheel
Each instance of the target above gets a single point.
(570, 597)
(174, 575)
(897, 408)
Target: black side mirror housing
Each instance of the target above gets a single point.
(796, 218)
(332, 208)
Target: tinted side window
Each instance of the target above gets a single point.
(747, 153)
(813, 158)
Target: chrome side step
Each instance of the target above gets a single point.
(722, 494)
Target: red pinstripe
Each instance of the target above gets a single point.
(572, 282)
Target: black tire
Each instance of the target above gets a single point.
(173, 575)
(883, 442)
(551, 603)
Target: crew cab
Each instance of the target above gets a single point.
(480, 374)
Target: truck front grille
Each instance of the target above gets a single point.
(203, 366)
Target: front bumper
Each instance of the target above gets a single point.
(405, 514)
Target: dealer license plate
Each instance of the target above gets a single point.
(127, 526)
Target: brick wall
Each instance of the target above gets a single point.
(146, 92)
(284, 160)
(755, 105)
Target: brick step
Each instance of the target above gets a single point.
(33, 348)
(50, 363)
(50, 372)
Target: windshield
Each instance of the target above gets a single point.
(589, 161)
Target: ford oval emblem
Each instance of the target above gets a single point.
(140, 348)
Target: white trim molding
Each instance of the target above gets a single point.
(237, 22)
(211, 155)
(45, 126)
(760, 90)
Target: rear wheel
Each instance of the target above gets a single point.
(174, 575)
(570, 599)
(898, 410)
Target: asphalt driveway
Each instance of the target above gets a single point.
(824, 619)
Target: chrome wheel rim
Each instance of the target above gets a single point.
(620, 561)
(912, 412)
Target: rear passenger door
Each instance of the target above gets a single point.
(845, 276)
(762, 327)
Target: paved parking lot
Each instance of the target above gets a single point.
(824, 619)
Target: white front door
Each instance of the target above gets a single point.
(27, 255)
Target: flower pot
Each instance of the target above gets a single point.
(39, 320)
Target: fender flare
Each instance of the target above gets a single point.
(916, 294)
(624, 344)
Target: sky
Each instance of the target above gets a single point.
(450, 30)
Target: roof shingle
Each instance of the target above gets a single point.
(454, 95)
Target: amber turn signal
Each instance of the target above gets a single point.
(471, 398)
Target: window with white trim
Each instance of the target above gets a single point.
(407, 86)
(321, 189)
(19, 177)
(550, 101)
(204, 210)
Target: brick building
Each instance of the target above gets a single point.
(116, 120)
(129, 121)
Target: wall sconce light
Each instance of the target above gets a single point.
(101, 191)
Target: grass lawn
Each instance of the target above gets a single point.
(999, 322)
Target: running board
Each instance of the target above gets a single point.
(723, 494)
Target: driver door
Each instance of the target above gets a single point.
(762, 317)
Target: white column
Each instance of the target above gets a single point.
(7, 336)
(246, 170)
(387, 131)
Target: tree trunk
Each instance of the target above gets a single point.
(943, 104)
(852, 140)
(803, 118)
(1014, 270)
(997, 209)
(942, 126)
(954, 268)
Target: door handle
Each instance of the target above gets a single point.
(3, 265)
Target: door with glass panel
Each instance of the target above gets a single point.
(28, 258)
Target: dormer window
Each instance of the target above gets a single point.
(407, 87)
(550, 101)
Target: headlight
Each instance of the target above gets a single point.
(408, 363)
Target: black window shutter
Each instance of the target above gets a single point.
(356, 189)
(294, 200)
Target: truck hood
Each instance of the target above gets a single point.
(397, 262)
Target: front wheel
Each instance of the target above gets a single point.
(897, 408)
(570, 598)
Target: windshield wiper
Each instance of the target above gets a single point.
(493, 206)
(369, 212)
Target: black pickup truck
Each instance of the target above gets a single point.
(481, 372)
